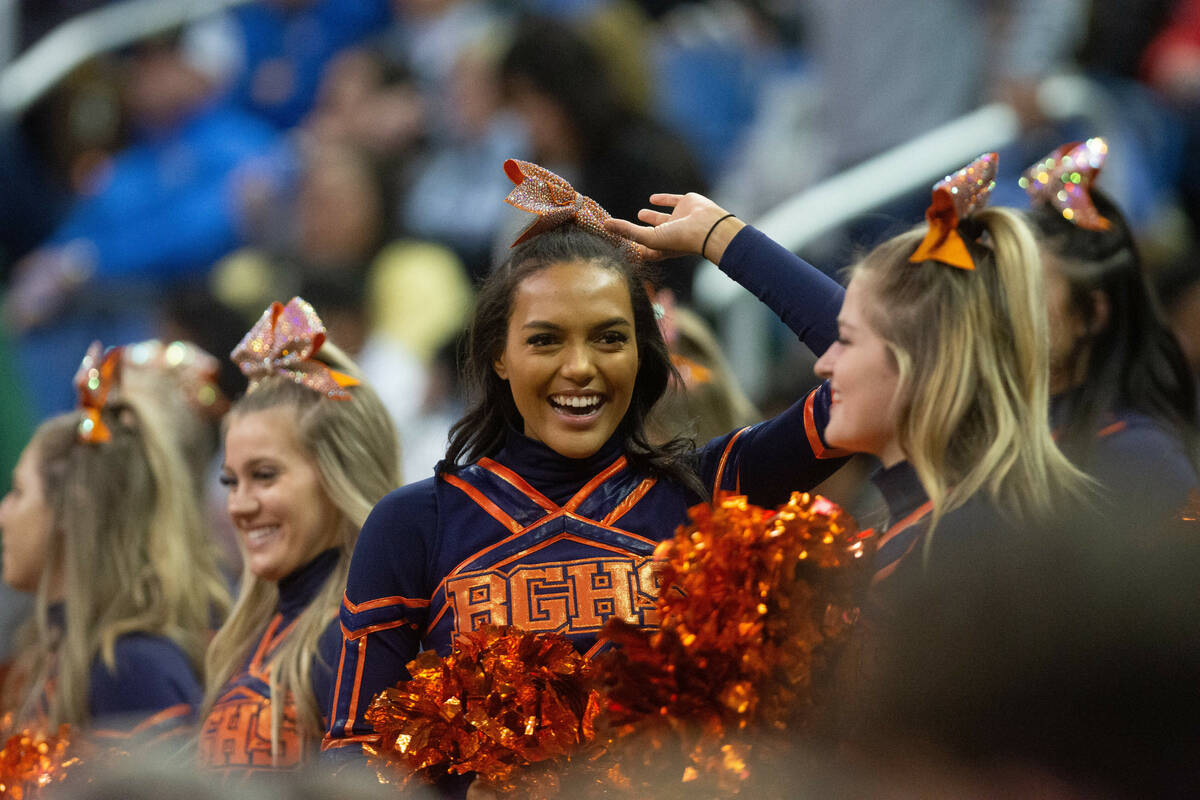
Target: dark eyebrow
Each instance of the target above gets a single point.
(614, 322)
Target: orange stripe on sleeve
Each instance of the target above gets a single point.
(382, 602)
(170, 712)
(159, 717)
(358, 673)
(337, 684)
(814, 438)
(438, 617)
(721, 465)
(354, 636)
(591, 485)
(905, 523)
(483, 502)
(330, 743)
(629, 502)
(895, 530)
(890, 568)
(517, 482)
(479, 553)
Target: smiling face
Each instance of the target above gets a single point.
(863, 378)
(276, 501)
(570, 355)
(26, 521)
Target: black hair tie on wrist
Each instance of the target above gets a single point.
(710, 233)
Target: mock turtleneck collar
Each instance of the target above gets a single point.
(901, 489)
(551, 473)
(298, 589)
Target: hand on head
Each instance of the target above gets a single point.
(693, 219)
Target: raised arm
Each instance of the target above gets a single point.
(806, 299)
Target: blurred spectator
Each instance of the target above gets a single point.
(431, 35)
(418, 297)
(455, 188)
(941, 59)
(27, 216)
(580, 129)
(331, 221)
(452, 187)
(719, 67)
(165, 208)
(881, 72)
(370, 102)
(278, 50)
(708, 402)
(1118, 32)
(1171, 62)
(1171, 65)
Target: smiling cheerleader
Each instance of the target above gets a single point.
(550, 502)
(308, 450)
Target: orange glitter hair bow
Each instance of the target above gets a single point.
(283, 342)
(1064, 178)
(956, 197)
(541, 192)
(98, 374)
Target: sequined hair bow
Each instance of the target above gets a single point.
(956, 197)
(190, 369)
(540, 191)
(97, 375)
(283, 342)
(1064, 178)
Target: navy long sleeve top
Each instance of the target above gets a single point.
(151, 692)
(1137, 460)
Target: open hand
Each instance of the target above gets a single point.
(683, 230)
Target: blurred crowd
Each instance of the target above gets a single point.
(350, 152)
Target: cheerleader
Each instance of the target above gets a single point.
(308, 450)
(103, 523)
(552, 497)
(939, 370)
(1124, 402)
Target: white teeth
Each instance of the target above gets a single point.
(258, 535)
(576, 401)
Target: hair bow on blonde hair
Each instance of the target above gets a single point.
(555, 201)
(192, 372)
(98, 373)
(955, 197)
(1064, 178)
(283, 342)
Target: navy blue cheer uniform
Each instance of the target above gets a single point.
(1139, 462)
(235, 739)
(151, 692)
(967, 537)
(530, 538)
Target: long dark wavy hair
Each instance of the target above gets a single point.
(1135, 362)
(491, 410)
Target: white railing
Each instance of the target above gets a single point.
(835, 201)
(50, 59)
